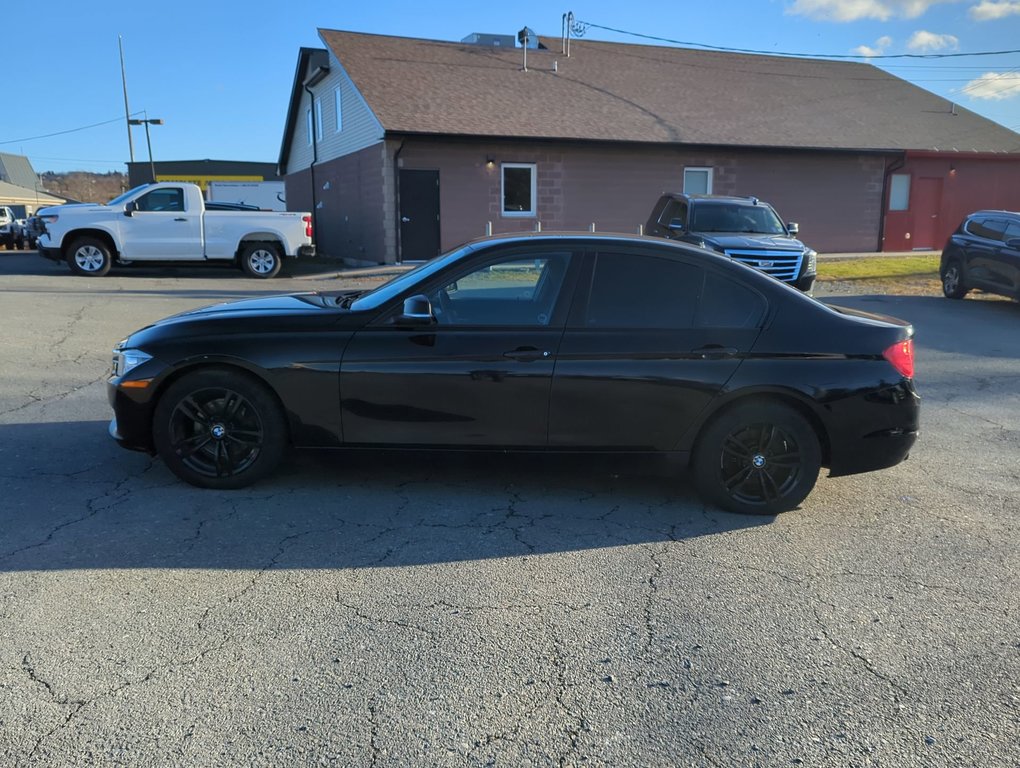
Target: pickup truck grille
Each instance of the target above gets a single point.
(782, 265)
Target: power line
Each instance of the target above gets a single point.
(580, 27)
(70, 130)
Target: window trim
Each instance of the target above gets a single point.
(531, 214)
(892, 191)
(706, 169)
(338, 111)
(318, 119)
(308, 126)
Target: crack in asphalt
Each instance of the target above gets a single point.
(92, 508)
(37, 400)
(896, 687)
(650, 593)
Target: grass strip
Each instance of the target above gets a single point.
(879, 267)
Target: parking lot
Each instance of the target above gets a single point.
(393, 610)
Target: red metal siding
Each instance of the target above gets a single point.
(943, 190)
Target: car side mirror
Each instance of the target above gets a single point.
(130, 208)
(676, 225)
(417, 311)
(793, 228)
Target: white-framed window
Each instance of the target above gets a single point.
(519, 189)
(308, 125)
(697, 181)
(318, 119)
(338, 102)
(899, 192)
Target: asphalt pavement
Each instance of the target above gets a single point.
(394, 610)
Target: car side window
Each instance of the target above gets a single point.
(1012, 231)
(165, 199)
(990, 229)
(630, 290)
(674, 213)
(516, 290)
(726, 303)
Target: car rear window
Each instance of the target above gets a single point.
(726, 303)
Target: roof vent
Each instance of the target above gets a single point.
(492, 41)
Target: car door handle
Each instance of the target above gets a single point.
(526, 354)
(715, 352)
(405, 219)
(180, 218)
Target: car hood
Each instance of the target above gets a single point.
(728, 240)
(71, 208)
(292, 303)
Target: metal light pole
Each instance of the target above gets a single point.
(127, 111)
(146, 122)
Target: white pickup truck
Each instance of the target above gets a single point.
(169, 222)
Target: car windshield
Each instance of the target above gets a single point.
(125, 195)
(392, 288)
(757, 219)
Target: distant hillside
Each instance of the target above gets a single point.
(84, 186)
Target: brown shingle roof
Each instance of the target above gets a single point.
(640, 93)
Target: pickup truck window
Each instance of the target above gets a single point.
(163, 199)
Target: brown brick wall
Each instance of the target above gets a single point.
(349, 205)
(836, 198)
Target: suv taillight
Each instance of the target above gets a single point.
(901, 355)
(308, 226)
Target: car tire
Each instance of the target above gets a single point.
(757, 458)
(219, 428)
(89, 257)
(261, 260)
(953, 286)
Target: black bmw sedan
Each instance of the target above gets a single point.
(558, 343)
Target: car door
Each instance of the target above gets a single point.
(161, 227)
(646, 349)
(480, 374)
(985, 267)
(1009, 255)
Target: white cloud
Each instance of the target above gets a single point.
(994, 86)
(929, 41)
(990, 10)
(877, 49)
(854, 10)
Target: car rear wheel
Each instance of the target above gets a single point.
(260, 260)
(757, 458)
(89, 256)
(952, 281)
(219, 429)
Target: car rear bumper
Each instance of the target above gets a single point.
(875, 431)
(306, 251)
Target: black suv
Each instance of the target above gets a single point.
(983, 252)
(743, 228)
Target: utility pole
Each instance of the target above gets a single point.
(127, 111)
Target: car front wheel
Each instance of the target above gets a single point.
(952, 281)
(757, 458)
(89, 256)
(219, 428)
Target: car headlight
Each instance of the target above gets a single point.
(812, 262)
(126, 360)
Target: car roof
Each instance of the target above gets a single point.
(749, 200)
(993, 213)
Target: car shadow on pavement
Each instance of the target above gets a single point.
(74, 500)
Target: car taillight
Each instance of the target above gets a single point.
(901, 355)
(308, 226)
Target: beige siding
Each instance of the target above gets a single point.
(360, 127)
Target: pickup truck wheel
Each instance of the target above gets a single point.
(260, 260)
(90, 257)
(221, 429)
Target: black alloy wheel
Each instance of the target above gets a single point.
(219, 429)
(758, 458)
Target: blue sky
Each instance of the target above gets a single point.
(219, 72)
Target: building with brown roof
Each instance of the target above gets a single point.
(404, 147)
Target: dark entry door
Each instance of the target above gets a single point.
(419, 215)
